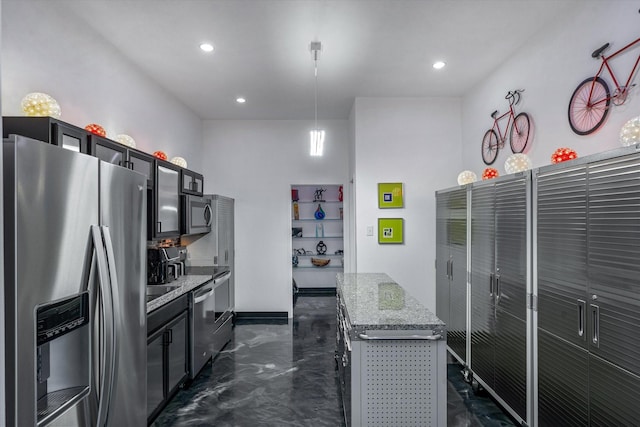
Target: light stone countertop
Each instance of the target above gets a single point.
(375, 302)
(181, 286)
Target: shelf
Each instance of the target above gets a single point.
(313, 237)
(326, 267)
(318, 220)
(320, 256)
(319, 201)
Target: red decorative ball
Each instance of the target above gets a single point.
(563, 154)
(490, 173)
(96, 129)
(160, 154)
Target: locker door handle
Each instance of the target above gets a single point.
(451, 269)
(491, 284)
(581, 313)
(595, 318)
(497, 288)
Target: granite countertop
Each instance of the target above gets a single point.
(180, 287)
(375, 302)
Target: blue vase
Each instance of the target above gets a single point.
(319, 214)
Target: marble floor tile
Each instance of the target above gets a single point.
(284, 375)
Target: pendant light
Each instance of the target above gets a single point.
(316, 134)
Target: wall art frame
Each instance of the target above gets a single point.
(390, 231)
(390, 195)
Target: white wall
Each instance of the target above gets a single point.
(44, 50)
(256, 162)
(415, 141)
(549, 67)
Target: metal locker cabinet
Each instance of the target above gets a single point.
(512, 256)
(482, 284)
(613, 312)
(451, 268)
(561, 239)
(499, 281)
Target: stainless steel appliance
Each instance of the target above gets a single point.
(196, 215)
(74, 277)
(164, 265)
(211, 321)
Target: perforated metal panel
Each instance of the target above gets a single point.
(399, 383)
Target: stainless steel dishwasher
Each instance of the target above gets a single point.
(206, 320)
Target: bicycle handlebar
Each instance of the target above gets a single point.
(512, 94)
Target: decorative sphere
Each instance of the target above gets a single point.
(180, 161)
(39, 104)
(466, 177)
(563, 154)
(96, 129)
(490, 173)
(630, 132)
(126, 140)
(160, 155)
(517, 163)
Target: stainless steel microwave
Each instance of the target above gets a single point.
(196, 215)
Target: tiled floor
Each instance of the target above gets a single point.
(284, 375)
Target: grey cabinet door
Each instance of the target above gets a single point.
(563, 375)
(457, 234)
(511, 246)
(177, 352)
(614, 251)
(168, 200)
(442, 258)
(511, 362)
(562, 253)
(155, 371)
(482, 283)
(613, 394)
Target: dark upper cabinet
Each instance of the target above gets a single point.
(49, 130)
(143, 163)
(192, 182)
(107, 150)
(166, 219)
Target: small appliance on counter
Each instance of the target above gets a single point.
(165, 264)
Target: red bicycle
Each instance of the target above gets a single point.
(520, 126)
(589, 104)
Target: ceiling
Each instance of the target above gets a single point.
(371, 48)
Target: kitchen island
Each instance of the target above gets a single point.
(391, 354)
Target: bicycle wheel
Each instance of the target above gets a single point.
(490, 147)
(586, 114)
(519, 135)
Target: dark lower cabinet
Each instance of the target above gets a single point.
(167, 354)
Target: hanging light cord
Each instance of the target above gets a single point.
(315, 72)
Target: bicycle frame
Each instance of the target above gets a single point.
(605, 64)
(496, 126)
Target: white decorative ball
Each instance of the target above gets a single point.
(38, 104)
(126, 140)
(517, 163)
(467, 177)
(630, 132)
(179, 161)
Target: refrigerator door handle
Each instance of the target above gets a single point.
(581, 313)
(106, 349)
(595, 317)
(114, 295)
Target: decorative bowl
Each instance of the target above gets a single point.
(320, 262)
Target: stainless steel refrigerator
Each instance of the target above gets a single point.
(74, 276)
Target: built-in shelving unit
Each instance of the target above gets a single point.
(307, 231)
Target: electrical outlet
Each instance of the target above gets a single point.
(370, 230)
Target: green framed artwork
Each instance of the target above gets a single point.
(390, 230)
(390, 195)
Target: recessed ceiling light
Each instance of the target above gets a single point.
(438, 65)
(241, 100)
(207, 47)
